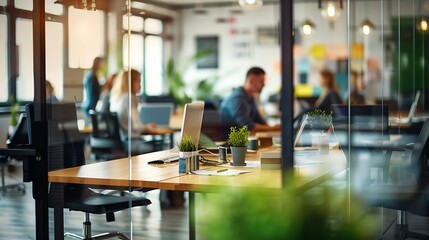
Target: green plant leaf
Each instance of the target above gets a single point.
(239, 137)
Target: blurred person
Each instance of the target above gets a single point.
(330, 94)
(240, 108)
(92, 85)
(103, 104)
(119, 103)
(50, 93)
(357, 87)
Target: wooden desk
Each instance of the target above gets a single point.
(307, 176)
(117, 173)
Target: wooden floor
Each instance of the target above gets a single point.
(17, 219)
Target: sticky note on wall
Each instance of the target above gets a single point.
(357, 50)
(318, 51)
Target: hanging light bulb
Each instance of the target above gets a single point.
(250, 4)
(423, 25)
(367, 26)
(331, 12)
(307, 26)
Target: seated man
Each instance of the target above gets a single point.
(240, 109)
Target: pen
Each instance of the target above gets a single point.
(222, 170)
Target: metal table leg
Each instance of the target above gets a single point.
(191, 215)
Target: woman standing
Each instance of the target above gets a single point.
(92, 86)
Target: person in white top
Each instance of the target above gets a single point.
(119, 103)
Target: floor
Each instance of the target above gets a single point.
(17, 219)
(18, 211)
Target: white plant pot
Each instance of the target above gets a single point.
(188, 162)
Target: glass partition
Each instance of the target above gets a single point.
(367, 59)
(360, 107)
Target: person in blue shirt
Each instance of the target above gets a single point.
(92, 86)
(240, 108)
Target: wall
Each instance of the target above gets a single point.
(232, 69)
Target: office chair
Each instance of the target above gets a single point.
(105, 140)
(363, 128)
(65, 149)
(410, 197)
(212, 122)
(18, 138)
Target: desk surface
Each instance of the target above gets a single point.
(137, 173)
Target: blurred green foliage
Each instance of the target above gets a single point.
(256, 213)
(14, 111)
(176, 82)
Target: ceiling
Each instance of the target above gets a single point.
(200, 3)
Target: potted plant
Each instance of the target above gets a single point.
(188, 155)
(238, 139)
(320, 123)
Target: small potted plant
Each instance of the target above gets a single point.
(320, 123)
(238, 139)
(188, 155)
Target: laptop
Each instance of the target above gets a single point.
(191, 127)
(158, 113)
(411, 113)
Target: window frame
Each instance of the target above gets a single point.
(164, 35)
(12, 15)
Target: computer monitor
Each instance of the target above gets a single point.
(19, 135)
(192, 120)
(158, 113)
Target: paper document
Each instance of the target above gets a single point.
(249, 164)
(228, 172)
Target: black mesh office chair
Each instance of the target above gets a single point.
(66, 150)
(410, 197)
(105, 139)
(17, 139)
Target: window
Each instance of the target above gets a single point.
(3, 59)
(153, 26)
(3, 2)
(136, 50)
(54, 56)
(147, 51)
(153, 67)
(52, 8)
(24, 42)
(136, 23)
(24, 4)
(86, 37)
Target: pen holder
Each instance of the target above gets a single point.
(188, 162)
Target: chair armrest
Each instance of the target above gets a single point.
(18, 152)
(388, 148)
(409, 146)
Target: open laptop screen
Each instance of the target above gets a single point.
(192, 120)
